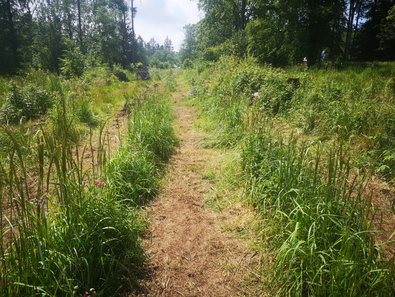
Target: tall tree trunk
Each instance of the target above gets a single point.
(133, 33)
(243, 14)
(358, 18)
(69, 23)
(350, 28)
(13, 38)
(80, 26)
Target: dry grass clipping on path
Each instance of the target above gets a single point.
(189, 254)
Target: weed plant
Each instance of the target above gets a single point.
(169, 78)
(25, 103)
(132, 176)
(134, 173)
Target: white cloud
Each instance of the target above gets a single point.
(161, 18)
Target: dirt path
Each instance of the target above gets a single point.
(189, 254)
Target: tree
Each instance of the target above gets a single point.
(189, 46)
(224, 20)
(355, 11)
(323, 28)
(49, 39)
(161, 56)
(16, 24)
(100, 28)
(141, 51)
(80, 34)
(284, 32)
(168, 45)
(375, 41)
(276, 35)
(152, 46)
(387, 35)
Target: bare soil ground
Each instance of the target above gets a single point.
(189, 252)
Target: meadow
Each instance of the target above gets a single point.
(309, 141)
(82, 156)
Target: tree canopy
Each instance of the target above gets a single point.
(289, 31)
(46, 34)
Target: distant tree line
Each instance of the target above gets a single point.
(51, 34)
(286, 32)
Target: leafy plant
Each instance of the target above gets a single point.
(25, 103)
(73, 62)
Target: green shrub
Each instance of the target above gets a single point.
(187, 63)
(25, 103)
(90, 242)
(355, 104)
(317, 221)
(120, 74)
(85, 114)
(73, 62)
(170, 79)
(74, 234)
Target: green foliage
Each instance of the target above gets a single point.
(120, 74)
(267, 44)
(77, 235)
(317, 217)
(187, 64)
(354, 104)
(376, 39)
(189, 47)
(91, 243)
(356, 107)
(222, 20)
(25, 103)
(85, 114)
(72, 63)
(162, 60)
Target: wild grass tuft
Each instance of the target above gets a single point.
(132, 176)
(150, 127)
(320, 225)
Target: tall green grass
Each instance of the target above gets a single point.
(354, 105)
(134, 173)
(150, 128)
(317, 219)
(70, 232)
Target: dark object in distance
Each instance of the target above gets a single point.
(294, 82)
(121, 75)
(143, 73)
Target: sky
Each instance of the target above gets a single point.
(161, 18)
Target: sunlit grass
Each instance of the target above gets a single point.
(65, 227)
(316, 219)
